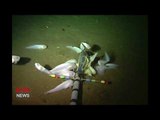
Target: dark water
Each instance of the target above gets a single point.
(125, 38)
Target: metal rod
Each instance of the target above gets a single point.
(76, 96)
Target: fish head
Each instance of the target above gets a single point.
(84, 46)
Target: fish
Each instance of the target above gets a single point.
(100, 69)
(66, 69)
(76, 49)
(66, 84)
(42, 69)
(82, 62)
(85, 60)
(38, 47)
(103, 65)
(62, 69)
(66, 73)
(83, 46)
(71, 61)
(111, 66)
(15, 59)
(105, 59)
(90, 68)
(64, 66)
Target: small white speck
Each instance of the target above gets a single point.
(58, 47)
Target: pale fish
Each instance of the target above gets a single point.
(103, 65)
(15, 59)
(39, 47)
(66, 84)
(100, 69)
(105, 59)
(65, 69)
(71, 61)
(66, 73)
(76, 49)
(111, 66)
(84, 45)
(64, 66)
(90, 70)
(42, 69)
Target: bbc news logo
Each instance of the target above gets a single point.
(23, 92)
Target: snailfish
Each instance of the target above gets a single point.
(39, 47)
